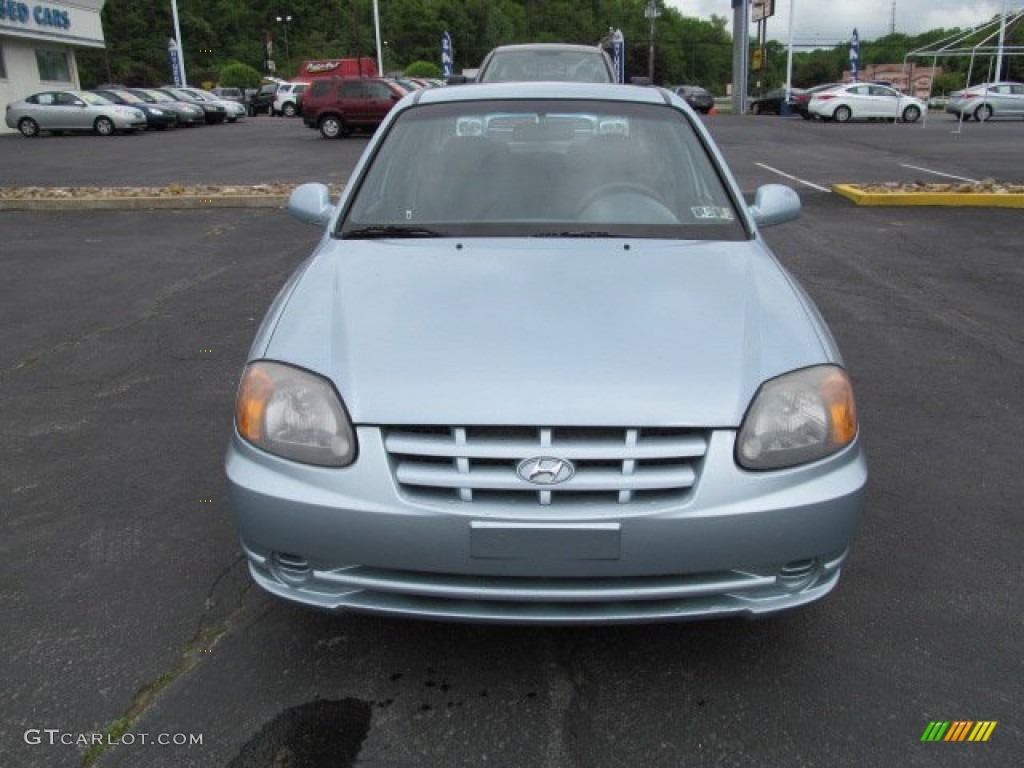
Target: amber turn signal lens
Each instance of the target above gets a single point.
(838, 396)
(254, 393)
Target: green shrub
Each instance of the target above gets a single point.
(238, 75)
(422, 69)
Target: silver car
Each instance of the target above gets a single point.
(542, 367)
(546, 61)
(987, 100)
(234, 110)
(72, 111)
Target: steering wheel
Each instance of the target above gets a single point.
(638, 203)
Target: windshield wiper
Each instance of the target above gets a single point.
(368, 233)
(579, 233)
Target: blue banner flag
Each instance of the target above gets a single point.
(175, 62)
(446, 54)
(619, 55)
(854, 54)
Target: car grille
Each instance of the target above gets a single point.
(481, 464)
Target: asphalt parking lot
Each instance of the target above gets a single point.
(125, 598)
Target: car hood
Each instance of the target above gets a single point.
(545, 332)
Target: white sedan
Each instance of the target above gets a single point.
(862, 101)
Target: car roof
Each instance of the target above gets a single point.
(545, 47)
(542, 90)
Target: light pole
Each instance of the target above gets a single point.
(651, 12)
(180, 73)
(285, 21)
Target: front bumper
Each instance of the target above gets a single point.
(741, 543)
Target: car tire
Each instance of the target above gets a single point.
(104, 126)
(288, 110)
(911, 114)
(332, 127)
(842, 114)
(983, 113)
(29, 128)
(805, 115)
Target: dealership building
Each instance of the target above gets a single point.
(38, 41)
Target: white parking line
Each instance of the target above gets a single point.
(937, 173)
(793, 178)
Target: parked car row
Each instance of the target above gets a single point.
(114, 109)
(864, 101)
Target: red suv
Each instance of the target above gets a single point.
(336, 106)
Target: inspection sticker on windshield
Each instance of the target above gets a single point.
(711, 212)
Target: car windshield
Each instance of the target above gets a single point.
(92, 98)
(542, 169)
(150, 94)
(516, 66)
(129, 97)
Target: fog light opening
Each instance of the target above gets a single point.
(798, 574)
(290, 568)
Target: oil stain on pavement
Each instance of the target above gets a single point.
(318, 733)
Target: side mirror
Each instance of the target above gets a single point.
(775, 204)
(311, 203)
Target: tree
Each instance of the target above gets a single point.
(239, 75)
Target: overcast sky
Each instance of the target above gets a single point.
(826, 22)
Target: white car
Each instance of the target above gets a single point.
(987, 100)
(286, 100)
(863, 101)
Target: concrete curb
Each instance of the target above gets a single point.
(858, 196)
(180, 202)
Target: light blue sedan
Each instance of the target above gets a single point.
(542, 368)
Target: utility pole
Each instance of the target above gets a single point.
(651, 12)
(1002, 41)
(177, 40)
(740, 43)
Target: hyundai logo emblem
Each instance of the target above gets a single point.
(545, 470)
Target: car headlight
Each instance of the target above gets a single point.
(295, 414)
(798, 418)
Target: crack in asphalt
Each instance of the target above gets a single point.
(565, 687)
(207, 634)
(151, 312)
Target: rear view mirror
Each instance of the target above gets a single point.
(775, 204)
(311, 203)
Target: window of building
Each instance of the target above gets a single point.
(53, 66)
(3, 66)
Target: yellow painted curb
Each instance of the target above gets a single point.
(180, 202)
(950, 199)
